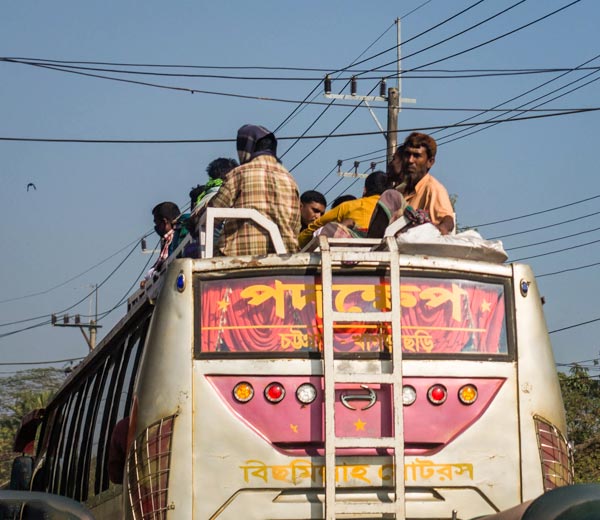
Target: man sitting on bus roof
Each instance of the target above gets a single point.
(349, 219)
(312, 206)
(418, 188)
(262, 183)
(170, 225)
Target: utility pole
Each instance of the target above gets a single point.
(393, 97)
(92, 326)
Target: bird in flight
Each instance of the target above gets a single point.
(31, 185)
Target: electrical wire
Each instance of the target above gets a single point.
(62, 284)
(574, 326)
(555, 208)
(568, 270)
(556, 251)
(418, 35)
(515, 98)
(56, 361)
(406, 74)
(316, 136)
(553, 239)
(445, 40)
(541, 104)
(17, 322)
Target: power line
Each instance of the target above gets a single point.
(568, 270)
(316, 136)
(487, 42)
(56, 361)
(110, 275)
(62, 284)
(555, 208)
(418, 74)
(418, 35)
(574, 326)
(541, 104)
(556, 251)
(553, 239)
(521, 95)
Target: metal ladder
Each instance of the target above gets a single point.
(333, 374)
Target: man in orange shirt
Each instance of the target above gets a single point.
(419, 188)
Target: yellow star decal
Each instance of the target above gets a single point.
(223, 304)
(485, 306)
(360, 425)
(294, 428)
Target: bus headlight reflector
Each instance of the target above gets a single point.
(409, 395)
(243, 392)
(306, 393)
(467, 394)
(437, 394)
(274, 392)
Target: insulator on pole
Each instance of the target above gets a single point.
(373, 164)
(327, 84)
(143, 242)
(53, 319)
(383, 88)
(339, 165)
(66, 319)
(356, 164)
(353, 85)
(77, 319)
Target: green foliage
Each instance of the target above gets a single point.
(22, 392)
(581, 395)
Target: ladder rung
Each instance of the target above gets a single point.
(365, 442)
(368, 508)
(366, 379)
(370, 317)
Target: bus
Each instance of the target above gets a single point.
(358, 378)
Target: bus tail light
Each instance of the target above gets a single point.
(274, 392)
(467, 394)
(148, 467)
(409, 395)
(243, 392)
(306, 393)
(437, 394)
(555, 455)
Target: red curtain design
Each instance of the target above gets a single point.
(283, 314)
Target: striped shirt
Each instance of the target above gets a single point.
(265, 185)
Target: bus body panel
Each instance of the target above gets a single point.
(220, 462)
(164, 387)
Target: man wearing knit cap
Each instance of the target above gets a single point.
(262, 183)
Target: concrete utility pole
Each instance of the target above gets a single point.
(91, 326)
(393, 97)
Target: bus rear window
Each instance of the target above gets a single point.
(283, 315)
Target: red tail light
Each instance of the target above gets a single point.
(274, 392)
(437, 394)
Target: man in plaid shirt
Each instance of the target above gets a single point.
(260, 182)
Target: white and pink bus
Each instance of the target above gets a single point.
(357, 379)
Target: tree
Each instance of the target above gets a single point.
(22, 392)
(581, 395)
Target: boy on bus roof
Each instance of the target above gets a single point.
(351, 218)
(418, 188)
(262, 183)
(312, 206)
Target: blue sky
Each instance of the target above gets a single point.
(94, 200)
